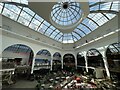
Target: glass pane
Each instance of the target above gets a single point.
(99, 18)
(84, 28)
(46, 23)
(90, 24)
(54, 34)
(110, 16)
(23, 21)
(13, 8)
(65, 41)
(96, 7)
(33, 26)
(58, 36)
(39, 18)
(26, 15)
(102, 20)
(115, 6)
(48, 32)
(28, 11)
(36, 22)
(1, 7)
(18, 1)
(91, 2)
(43, 26)
(24, 2)
(105, 6)
(41, 30)
(76, 35)
(79, 32)
(9, 14)
(70, 41)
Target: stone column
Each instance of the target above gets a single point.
(33, 64)
(106, 66)
(51, 63)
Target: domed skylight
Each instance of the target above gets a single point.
(66, 14)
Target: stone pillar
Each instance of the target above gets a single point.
(106, 66)
(51, 63)
(33, 64)
(86, 63)
(62, 61)
(75, 61)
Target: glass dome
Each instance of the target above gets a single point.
(66, 13)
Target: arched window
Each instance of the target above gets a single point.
(57, 61)
(94, 58)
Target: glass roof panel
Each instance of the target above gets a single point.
(53, 28)
(99, 18)
(76, 35)
(24, 2)
(41, 30)
(96, 7)
(35, 21)
(110, 16)
(61, 39)
(25, 15)
(10, 14)
(18, 1)
(1, 6)
(79, 32)
(105, 6)
(49, 31)
(84, 28)
(59, 35)
(70, 41)
(54, 34)
(13, 8)
(33, 26)
(91, 2)
(68, 38)
(29, 18)
(90, 24)
(43, 26)
(116, 6)
(39, 18)
(23, 21)
(74, 38)
(27, 10)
